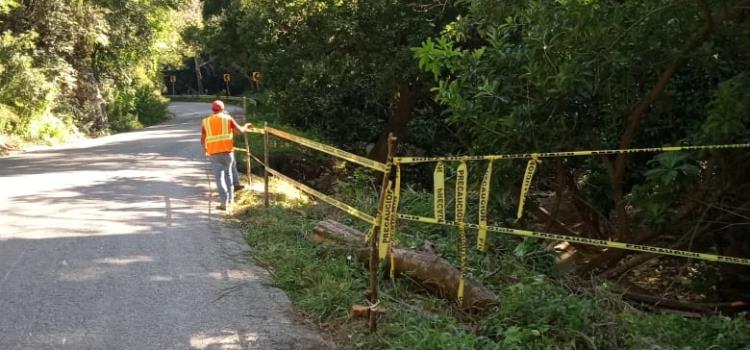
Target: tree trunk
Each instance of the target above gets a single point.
(198, 76)
(100, 108)
(431, 271)
(396, 122)
(643, 106)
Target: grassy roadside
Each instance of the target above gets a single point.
(535, 311)
(49, 130)
(537, 307)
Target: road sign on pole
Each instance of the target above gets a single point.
(227, 78)
(172, 79)
(256, 78)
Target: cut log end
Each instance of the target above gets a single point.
(359, 311)
(363, 311)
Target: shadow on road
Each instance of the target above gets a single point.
(112, 244)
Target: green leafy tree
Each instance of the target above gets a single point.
(93, 65)
(522, 76)
(344, 67)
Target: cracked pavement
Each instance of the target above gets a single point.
(112, 243)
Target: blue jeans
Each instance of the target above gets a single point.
(223, 167)
(235, 175)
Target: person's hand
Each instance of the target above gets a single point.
(248, 126)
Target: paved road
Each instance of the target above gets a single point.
(111, 244)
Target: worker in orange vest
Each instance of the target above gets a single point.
(217, 139)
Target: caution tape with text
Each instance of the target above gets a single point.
(484, 197)
(462, 177)
(325, 198)
(328, 149)
(588, 241)
(390, 214)
(408, 160)
(438, 178)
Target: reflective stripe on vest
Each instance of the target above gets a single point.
(217, 141)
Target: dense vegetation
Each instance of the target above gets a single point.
(604, 74)
(85, 66)
(479, 77)
(537, 307)
(488, 77)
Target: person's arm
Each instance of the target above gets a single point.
(239, 129)
(203, 138)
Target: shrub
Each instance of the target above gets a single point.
(150, 106)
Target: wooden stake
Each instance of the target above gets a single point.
(265, 160)
(247, 145)
(373, 293)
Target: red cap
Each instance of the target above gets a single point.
(217, 106)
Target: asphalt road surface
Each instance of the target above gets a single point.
(112, 244)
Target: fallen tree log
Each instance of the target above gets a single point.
(429, 270)
(637, 294)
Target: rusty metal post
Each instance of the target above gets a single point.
(373, 292)
(265, 160)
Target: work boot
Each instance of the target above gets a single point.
(238, 188)
(221, 207)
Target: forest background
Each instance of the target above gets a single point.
(488, 77)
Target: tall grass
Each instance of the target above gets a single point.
(537, 309)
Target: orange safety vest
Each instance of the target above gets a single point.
(218, 134)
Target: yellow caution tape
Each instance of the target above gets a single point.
(325, 198)
(438, 181)
(390, 210)
(462, 236)
(407, 160)
(385, 223)
(589, 241)
(394, 218)
(329, 149)
(528, 175)
(257, 160)
(394, 207)
(484, 196)
(461, 183)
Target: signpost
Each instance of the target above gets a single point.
(227, 79)
(172, 79)
(256, 78)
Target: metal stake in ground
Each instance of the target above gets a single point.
(373, 292)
